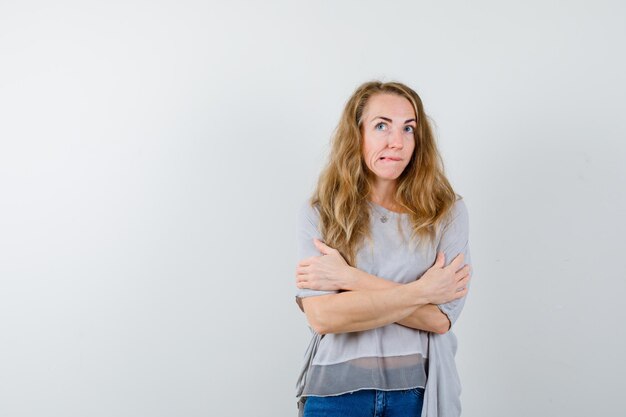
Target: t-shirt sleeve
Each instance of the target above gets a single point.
(307, 229)
(455, 240)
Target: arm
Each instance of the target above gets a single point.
(427, 317)
(455, 240)
(331, 272)
(381, 303)
(362, 310)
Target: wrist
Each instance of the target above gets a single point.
(420, 293)
(350, 278)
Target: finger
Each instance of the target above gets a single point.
(307, 261)
(440, 261)
(460, 294)
(464, 282)
(466, 279)
(309, 285)
(463, 272)
(456, 262)
(321, 246)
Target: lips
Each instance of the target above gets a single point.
(389, 158)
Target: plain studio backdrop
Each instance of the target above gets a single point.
(154, 155)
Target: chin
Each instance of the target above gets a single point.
(388, 177)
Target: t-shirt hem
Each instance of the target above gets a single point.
(362, 389)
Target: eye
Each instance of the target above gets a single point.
(380, 126)
(410, 129)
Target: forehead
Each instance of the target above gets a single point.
(388, 105)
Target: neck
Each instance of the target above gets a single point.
(383, 193)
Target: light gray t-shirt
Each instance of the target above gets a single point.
(390, 357)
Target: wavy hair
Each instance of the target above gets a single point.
(345, 183)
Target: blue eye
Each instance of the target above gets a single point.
(410, 129)
(379, 124)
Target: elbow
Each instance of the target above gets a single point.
(318, 321)
(443, 327)
(318, 328)
(441, 331)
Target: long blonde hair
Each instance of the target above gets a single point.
(344, 185)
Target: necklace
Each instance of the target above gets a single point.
(383, 216)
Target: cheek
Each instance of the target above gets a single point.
(368, 151)
(411, 145)
(368, 158)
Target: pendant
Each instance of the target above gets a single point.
(383, 218)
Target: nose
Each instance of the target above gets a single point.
(396, 139)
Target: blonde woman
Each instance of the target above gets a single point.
(384, 266)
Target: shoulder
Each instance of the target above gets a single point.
(308, 226)
(459, 208)
(458, 214)
(308, 212)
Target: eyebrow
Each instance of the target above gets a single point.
(389, 120)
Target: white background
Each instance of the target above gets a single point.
(153, 156)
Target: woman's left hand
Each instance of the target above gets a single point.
(328, 272)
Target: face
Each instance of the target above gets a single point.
(388, 127)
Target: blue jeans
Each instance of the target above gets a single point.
(367, 403)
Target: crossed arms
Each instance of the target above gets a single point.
(369, 301)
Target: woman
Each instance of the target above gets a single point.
(391, 279)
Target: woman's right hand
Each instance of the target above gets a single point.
(328, 272)
(444, 284)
